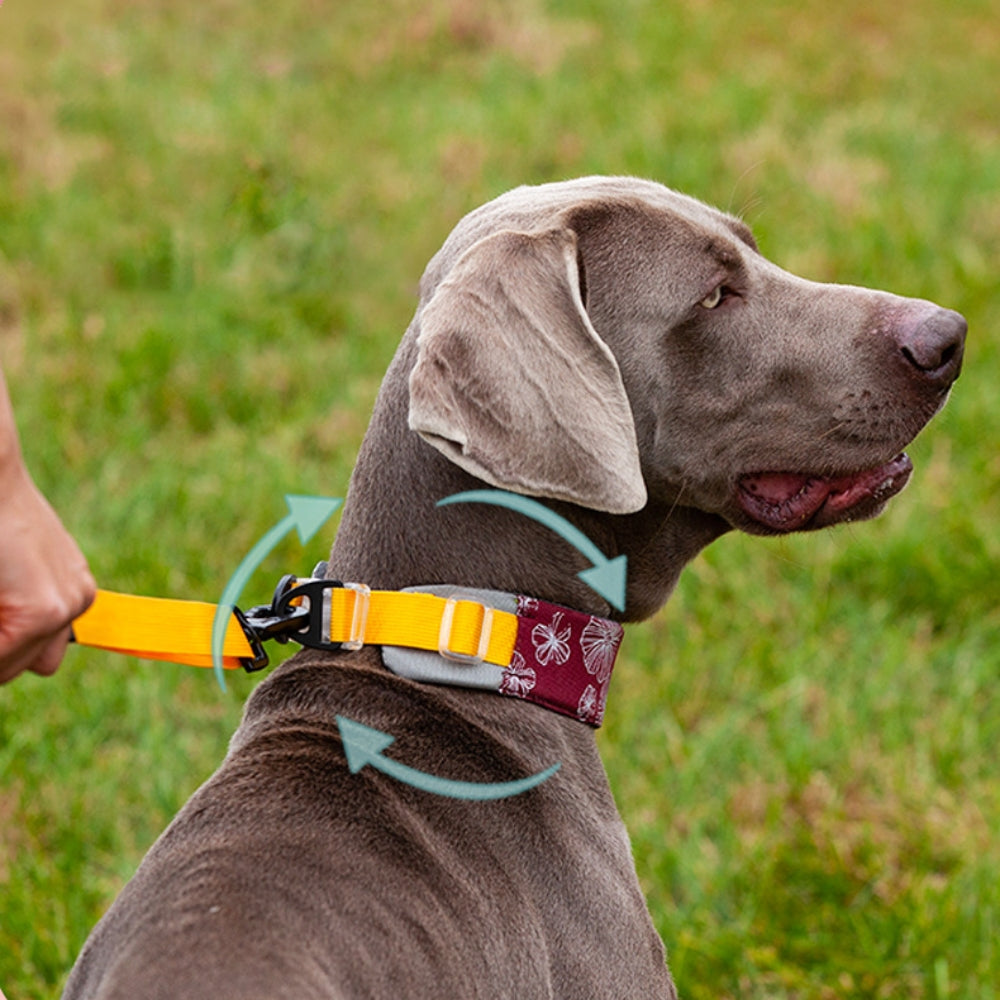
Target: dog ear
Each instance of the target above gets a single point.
(513, 384)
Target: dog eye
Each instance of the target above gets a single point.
(719, 293)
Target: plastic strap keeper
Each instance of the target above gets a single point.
(447, 624)
(359, 619)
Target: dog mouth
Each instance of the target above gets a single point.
(792, 501)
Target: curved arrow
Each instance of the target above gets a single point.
(364, 745)
(307, 515)
(606, 576)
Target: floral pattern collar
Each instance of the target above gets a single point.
(562, 659)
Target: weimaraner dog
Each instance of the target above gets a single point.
(624, 355)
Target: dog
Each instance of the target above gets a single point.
(624, 355)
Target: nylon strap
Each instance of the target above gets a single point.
(156, 628)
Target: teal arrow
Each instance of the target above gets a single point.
(606, 576)
(364, 745)
(306, 515)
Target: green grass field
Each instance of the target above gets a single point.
(213, 217)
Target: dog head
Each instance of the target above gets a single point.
(608, 342)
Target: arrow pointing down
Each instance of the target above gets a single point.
(607, 576)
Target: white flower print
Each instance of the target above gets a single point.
(587, 709)
(599, 642)
(602, 704)
(518, 679)
(550, 643)
(527, 605)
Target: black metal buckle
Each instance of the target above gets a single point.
(270, 621)
(260, 659)
(306, 623)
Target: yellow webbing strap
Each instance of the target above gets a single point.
(405, 618)
(156, 628)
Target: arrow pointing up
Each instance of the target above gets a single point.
(306, 515)
(309, 514)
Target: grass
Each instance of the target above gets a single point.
(212, 221)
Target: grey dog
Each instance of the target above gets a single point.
(626, 354)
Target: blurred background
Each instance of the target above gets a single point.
(213, 219)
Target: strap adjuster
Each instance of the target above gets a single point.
(447, 624)
(301, 610)
(316, 594)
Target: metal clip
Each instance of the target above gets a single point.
(316, 633)
(268, 621)
(300, 610)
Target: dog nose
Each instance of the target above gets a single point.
(933, 345)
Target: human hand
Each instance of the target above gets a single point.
(44, 580)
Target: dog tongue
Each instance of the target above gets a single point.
(775, 487)
(783, 500)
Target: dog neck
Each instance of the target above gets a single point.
(393, 535)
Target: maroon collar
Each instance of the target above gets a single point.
(562, 659)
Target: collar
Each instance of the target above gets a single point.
(516, 646)
(513, 645)
(553, 656)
